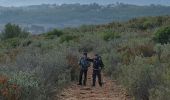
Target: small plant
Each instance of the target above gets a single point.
(12, 42)
(163, 35)
(9, 91)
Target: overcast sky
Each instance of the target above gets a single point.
(37, 2)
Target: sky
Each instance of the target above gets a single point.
(104, 2)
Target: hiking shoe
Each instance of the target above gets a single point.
(101, 84)
(79, 84)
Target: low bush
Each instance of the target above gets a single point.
(109, 35)
(163, 35)
(67, 38)
(8, 91)
(12, 43)
(41, 75)
(137, 77)
(53, 33)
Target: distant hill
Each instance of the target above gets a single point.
(67, 15)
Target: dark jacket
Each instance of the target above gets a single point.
(86, 65)
(97, 63)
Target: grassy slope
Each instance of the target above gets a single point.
(44, 64)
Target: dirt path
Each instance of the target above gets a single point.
(109, 91)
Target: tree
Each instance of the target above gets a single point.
(13, 30)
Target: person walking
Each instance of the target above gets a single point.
(84, 64)
(97, 67)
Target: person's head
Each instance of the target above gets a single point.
(85, 54)
(96, 56)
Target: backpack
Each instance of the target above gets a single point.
(84, 63)
(98, 63)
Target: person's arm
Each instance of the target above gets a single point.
(101, 62)
(90, 60)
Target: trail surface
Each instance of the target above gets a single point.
(109, 91)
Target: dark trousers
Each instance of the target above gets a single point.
(97, 73)
(83, 72)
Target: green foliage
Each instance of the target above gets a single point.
(11, 43)
(67, 38)
(28, 83)
(137, 77)
(148, 23)
(53, 33)
(12, 31)
(163, 35)
(26, 43)
(109, 35)
(44, 72)
(129, 53)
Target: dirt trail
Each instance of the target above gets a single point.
(109, 91)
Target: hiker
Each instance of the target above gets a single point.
(84, 64)
(97, 67)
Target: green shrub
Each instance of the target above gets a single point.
(146, 23)
(163, 35)
(12, 42)
(109, 35)
(26, 43)
(137, 77)
(41, 75)
(28, 83)
(67, 38)
(162, 90)
(111, 61)
(12, 31)
(160, 93)
(91, 42)
(51, 68)
(53, 33)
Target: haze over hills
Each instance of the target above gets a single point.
(104, 2)
(40, 18)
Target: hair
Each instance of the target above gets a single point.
(96, 55)
(85, 53)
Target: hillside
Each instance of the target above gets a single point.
(136, 54)
(69, 15)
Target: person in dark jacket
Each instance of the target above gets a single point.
(84, 64)
(97, 67)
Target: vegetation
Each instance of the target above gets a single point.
(135, 53)
(12, 31)
(163, 35)
(53, 33)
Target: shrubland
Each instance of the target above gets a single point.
(136, 53)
